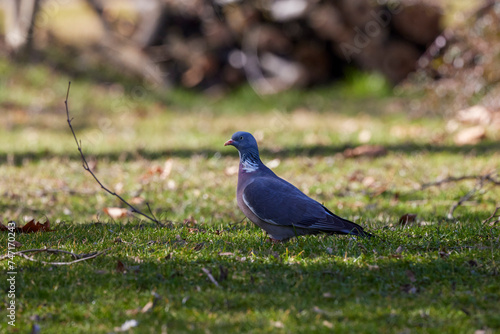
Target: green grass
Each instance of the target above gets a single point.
(432, 276)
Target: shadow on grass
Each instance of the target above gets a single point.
(408, 148)
(325, 287)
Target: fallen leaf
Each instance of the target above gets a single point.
(373, 267)
(190, 221)
(29, 227)
(147, 307)
(17, 244)
(474, 115)
(327, 295)
(277, 324)
(399, 250)
(167, 169)
(152, 171)
(370, 151)
(470, 136)
(137, 200)
(327, 324)
(120, 267)
(116, 212)
(407, 218)
(226, 254)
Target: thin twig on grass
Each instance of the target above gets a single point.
(490, 220)
(78, 258)
(479, 185)
(487, 177)
(88, 169)
(210, 277)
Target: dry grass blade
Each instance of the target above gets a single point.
(88, 169)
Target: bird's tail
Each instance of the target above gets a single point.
(350, 227)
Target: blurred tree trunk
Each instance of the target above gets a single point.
(19, 24)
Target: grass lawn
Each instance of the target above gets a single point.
(435, 275)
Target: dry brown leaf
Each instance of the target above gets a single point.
(17, 244)
(190, 221)
(116, 212)
(370, 151)
(29, 227)
(120, 267)
(152, 171)
(407, 218)
(470, 136)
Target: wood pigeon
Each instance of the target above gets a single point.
(277, 206)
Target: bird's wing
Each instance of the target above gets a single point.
(278, 202)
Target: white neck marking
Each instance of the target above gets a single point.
(249, 166)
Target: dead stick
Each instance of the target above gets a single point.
(479, 185)
(460, 178)
(210, 277)
(494, 215)
(87, 168)
(22, 254)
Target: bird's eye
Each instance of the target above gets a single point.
(241, 137)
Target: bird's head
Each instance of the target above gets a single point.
(243, 141)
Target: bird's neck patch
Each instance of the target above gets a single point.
(249, 162)
(249, 166)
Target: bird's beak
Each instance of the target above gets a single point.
(229, 142)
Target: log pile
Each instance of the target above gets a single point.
(273, 44)
(288, 43)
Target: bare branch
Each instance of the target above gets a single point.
(488, 177)
(494, 215)
(479, 185)
(88, 169)
(78, 258)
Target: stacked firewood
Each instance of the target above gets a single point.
(284, 43)
(273, 44)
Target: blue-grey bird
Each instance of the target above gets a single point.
(277, 206)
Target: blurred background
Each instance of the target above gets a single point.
(216, 46)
